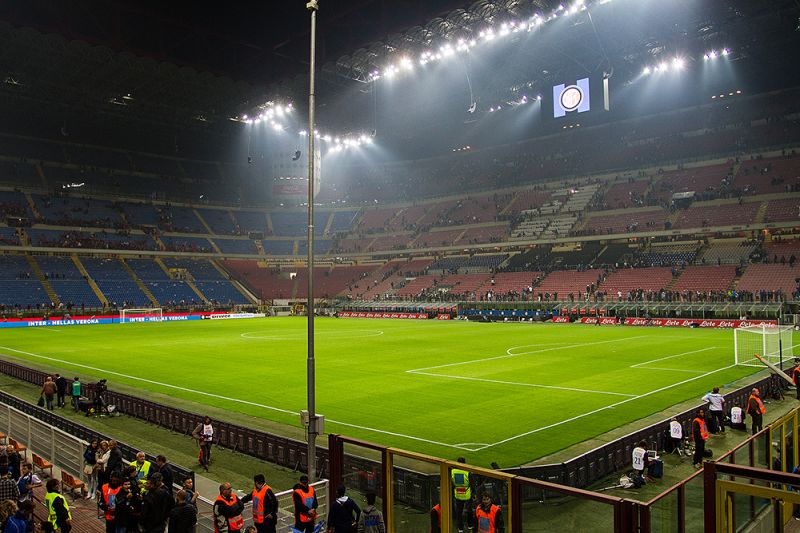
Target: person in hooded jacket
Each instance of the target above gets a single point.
(343, 514)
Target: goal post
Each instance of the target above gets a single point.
(773, 343)
(153, 314)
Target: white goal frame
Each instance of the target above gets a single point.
(772, 342)
(152, 314)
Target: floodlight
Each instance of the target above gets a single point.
(725, 51)
(678, 63)
(327, 138)
(303, 133)
(646, 71)
(407, 64)
(663, 66)
(244, 117)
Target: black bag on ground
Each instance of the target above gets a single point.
(40, 403)
(707, 453)
(656, 468)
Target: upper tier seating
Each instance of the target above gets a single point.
(251, 221)
(8, 236)
(771, 277)
(200, 169)
(771, 175)
(564, 282)
(295, 223)
(407, 217)
(141, 214)
(631, 279)
(626, 194)
(67, 281)
(219, 220)
(342, 221)
(783, 210)
(466, 284)
(628, 222)
(435, 239)
(462, 263)
(484, 234)
(705, 278)
(179, 219)
(276, 247)
(701, 216)
(321, 246)
(669, 254)
(187, 244)
(782, 251)
(730, 252)
(377, 219)
(70, 211)
(17, 173)
(704, 179)
(583, 255)
(530, 199)
(391, 242)
(416, 286)
(98, 240)
(613, 253)
(156, 165)
(236, 246)
(18, 284)
(115, 283)
(13, 203)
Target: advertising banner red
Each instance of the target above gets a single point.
(561, 320)
(697, 322)
(371, 314)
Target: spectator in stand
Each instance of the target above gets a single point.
(22, 520)
(114, 463)
(716, 407)
(61, 389)
(14, 461)
(102, 456)
(371, 518)
(188, 491)
(182, 517)
(755, 408)
(265, 505)
(49, 390)
(90, 467)
(26, 482)
(129, 508)
(163, 468)
(156, 505)
(343, 513)
(8, 488)
(700, 436)
(7, 509)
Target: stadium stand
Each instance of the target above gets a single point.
(13, 204)
(766, 279)
(179, 219)
(702, 216)
(265, 283)
(769, 175)
(342, 221)
(511, 283)
(19, 287)
(215, 286)
(620, 284)
(236, 246)
(705, 278)
(783, 210)
(279, 247)
(251, 221)
(390, 242)
(417, 286)
(67, 281)
(117, 286)
(781, 251)
(8, 236)
(727, 251)
(69, 211)
(626, 222)
(219, 220)
(176, 243)
(564, 282)
(668, 254)
(630, 193)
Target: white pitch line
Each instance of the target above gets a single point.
(674, 370)
(613, 405)
(520, 384)
(508, 355)
(237, 400)
(637, 365)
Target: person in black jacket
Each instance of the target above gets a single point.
(114, 463)
(182, 517)
(343, 514)
(156, 505)
(61, 389)
(163, 468)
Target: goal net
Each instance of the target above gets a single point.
(154, 314)
(773, 343)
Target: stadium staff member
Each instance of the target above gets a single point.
(76, 394)
(436, 519)
(488, 516)
(143, 468)
(640, 462)
(227, 511)
(755, 408)
(796, 376)
(108, 501)
(462, 495)
(305, 506)
(716, 408)
(58, 513)
(265, 505)
(700, 436)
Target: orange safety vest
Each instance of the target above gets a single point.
(795, 373)
(110, 499)
(761, 409)
(486, 520)
(703, 428)
(308, 500)
(258, 504)
(235, 523)
(438, 510)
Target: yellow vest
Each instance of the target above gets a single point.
(461, 487)
(51, 513)
(142, 473)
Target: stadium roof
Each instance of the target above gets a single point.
(176, 63)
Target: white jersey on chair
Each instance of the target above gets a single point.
(736, 415)
(639, 454)
(675, 430)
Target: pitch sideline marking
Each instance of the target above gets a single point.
(519, 383)
(370, 333)
(219, 396)
(612, 406)
(508, 355)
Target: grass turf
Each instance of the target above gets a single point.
(492, 392)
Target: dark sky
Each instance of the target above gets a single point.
(259, 42)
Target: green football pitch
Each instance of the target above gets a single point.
(505, 392)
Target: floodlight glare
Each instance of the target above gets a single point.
(677, 63)
(244, 117)
(646, 71)
(663, 66)
(539, 97)
(725, 51)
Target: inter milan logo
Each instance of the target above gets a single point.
(567, 98)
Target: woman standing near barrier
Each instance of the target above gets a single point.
(102, 455)
(90, 467)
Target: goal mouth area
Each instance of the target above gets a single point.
(773, 343)
(152, 314)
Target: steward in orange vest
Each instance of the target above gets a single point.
(305, 506)
(756, 410)
(700, 436)
(265, 505)
(488, 516)
(796, 376)
(436, 519)
(227, 511)
(108, 502)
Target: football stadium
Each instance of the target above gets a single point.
(374, 266)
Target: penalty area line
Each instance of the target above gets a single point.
(237, 400)
(595, 411)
